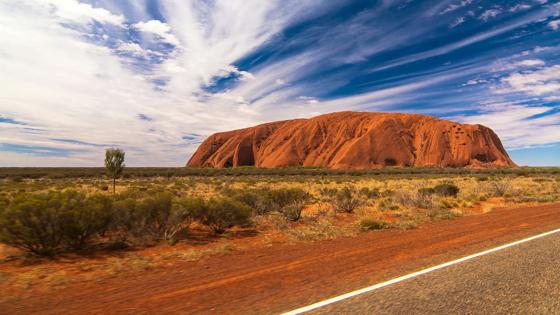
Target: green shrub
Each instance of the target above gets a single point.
(281, 198)
(84, 218)
(371, 224)
(34, 222)
(346, 201)
(154, 214)
(158, 217)
(257, 199)
(126, 218)
(293, 211)
(44, 224)
(183, 212)
(288, 201)
(222, 213)
(446, 190)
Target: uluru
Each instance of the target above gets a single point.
(355, 140)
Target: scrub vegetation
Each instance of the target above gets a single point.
(45, 219)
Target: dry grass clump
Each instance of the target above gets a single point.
(319, 229)
(368, 224)
(346, 200)
(194, 255)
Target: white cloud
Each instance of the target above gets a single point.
(75, 11)
(519, 7)
(308, 99)
(243, 75)
(539, 49)
(554, 24)
(540, 82)
(488, 14)
(246, 75)
(516, 124)
(505, 65)
(523, 132)
(457, 22)
(158, 28)
(530, 63)
(475, 82)
(132, 48)
(455, 6)
(230, 96)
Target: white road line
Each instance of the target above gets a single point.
(412, 275)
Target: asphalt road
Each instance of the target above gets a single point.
(524, 279)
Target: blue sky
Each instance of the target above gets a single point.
(156, 77)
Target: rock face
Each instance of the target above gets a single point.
(355, 140)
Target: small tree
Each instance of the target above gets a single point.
(114, 163)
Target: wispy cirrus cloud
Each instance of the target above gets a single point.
(519, 7)
(490, 13)
(460, 20)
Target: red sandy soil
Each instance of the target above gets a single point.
(355, 140)
(284, 277)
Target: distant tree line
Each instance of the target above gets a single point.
(167, 172)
